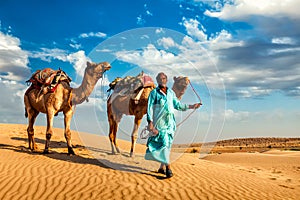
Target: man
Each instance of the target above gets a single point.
(161, 122)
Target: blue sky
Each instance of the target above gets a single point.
(242, 57)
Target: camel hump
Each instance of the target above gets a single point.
(131, 84)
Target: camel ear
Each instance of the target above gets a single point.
(88, 64)
(174, 78)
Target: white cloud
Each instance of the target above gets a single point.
(11, 101)
(283, 40)
(223, 40)
(104, 50)
(241, 9)
(140, 20)
(48, 54)
(92, 34)
(166, 42)
(149, 13)
(230, 115)
(13, 60)
(284, 50)
(148, 57)
(159, 30)
(9, 42)
(192, 28)
(75, 46)
(79, 60)
(221, 57)
(13, 74)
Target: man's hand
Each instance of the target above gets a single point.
(195, 106)
(152, 129)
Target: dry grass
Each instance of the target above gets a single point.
(243, 145)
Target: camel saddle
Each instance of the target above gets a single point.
(47, 80)
(131, 85)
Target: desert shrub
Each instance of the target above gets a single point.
(194, 150)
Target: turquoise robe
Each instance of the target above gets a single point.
(161, 112)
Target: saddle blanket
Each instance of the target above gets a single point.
(47, 79)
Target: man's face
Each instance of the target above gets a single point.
(162, 80)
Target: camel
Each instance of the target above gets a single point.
(117, 105)
(60, 100)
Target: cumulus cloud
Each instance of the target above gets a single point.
(249, 67)
(13, 60)
(241, 9)
(265, 59)
(77, 59)
(12, 94)
(283, 40)
(230, 115)
(148, 57)
(192, 28)
(47, 55)
(13, 74)
(166, 42)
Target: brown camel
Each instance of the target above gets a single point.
(117, 105)
(60, 100)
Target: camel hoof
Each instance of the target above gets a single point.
(131, 154)
(70, 151)
(46, 151)
(115, 153)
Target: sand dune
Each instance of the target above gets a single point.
(96, 174)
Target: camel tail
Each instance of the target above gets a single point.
(26, 114)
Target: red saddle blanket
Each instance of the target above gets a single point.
(131, 84)
(47, 79)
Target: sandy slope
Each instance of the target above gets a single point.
(96, 174)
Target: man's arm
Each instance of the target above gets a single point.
(150, 107)
(195, 106)
(180, 106)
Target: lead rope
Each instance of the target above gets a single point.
(145, 133)
(200, 101)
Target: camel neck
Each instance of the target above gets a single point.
(82, 93)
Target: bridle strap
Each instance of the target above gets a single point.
(200, 101)
(145, 133)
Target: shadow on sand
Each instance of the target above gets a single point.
(78, 158)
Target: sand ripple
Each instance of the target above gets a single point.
(27, 175)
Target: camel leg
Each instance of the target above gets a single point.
(32, 114)
(137, 122)
(111, 135)
(113, 128)
(67, 120)
(115, 137)
(49, 132)
(113, 120)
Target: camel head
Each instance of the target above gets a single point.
(97, 70)
(180, 85)
(93, 72)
